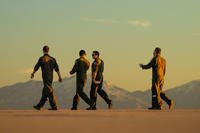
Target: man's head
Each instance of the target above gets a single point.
(157, 51)
(95, 54)
(45, 49)
(82, 53)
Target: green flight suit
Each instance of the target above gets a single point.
(97, 71)
(47, 64)
(80, 68)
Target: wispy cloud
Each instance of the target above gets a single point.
(140, 23)
(105, 21)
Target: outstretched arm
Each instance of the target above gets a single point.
(148, 66)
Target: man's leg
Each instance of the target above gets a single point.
(50, 94)
(52, 100)
(76, 100)
(81, 93)
(104, 95)
(159, 86)
(165, 98)
(93, 94)
(155, 96)
(43, 98)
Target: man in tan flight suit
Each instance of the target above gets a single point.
(158, 65)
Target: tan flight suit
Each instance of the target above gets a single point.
(158, 65)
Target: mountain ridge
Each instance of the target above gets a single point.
(25, 94)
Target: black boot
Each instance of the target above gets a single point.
(155, 108)
(53, 108)
(74, 108)
(92, 106)
(37, 107)
(110, 104)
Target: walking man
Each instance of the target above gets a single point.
(81, 67)
(158, 65)
(97, 81)
(47, 64)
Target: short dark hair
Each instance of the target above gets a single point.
(46, 48)
(82, 52)
(96, 53)
(158, 50)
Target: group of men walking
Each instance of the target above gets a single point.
(48, 64)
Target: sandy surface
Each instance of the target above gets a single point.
(101, 121)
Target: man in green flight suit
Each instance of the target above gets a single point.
(81, 67)
(158, 65)
(47, 64)
(97, 81)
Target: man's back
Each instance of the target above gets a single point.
(47, 64)
(159, 67)
(80, 68)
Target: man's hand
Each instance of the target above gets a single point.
(59, 76)
(70, 72)
(60, 79)
(32, 75)
(96, 82)
(141, 66)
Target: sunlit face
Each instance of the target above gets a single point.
(94, 56)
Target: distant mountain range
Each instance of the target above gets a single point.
(25, 95)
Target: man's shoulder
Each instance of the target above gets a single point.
(51, 57)
(84, 60)
(100, 61)
(163, 59)
(154, 59)
(160, 58)
(41, 58)
(47, 58)
(78, 60)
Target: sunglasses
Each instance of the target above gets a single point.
(94, 55)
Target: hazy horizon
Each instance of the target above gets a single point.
(125, 33)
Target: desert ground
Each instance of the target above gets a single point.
(100, 121)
